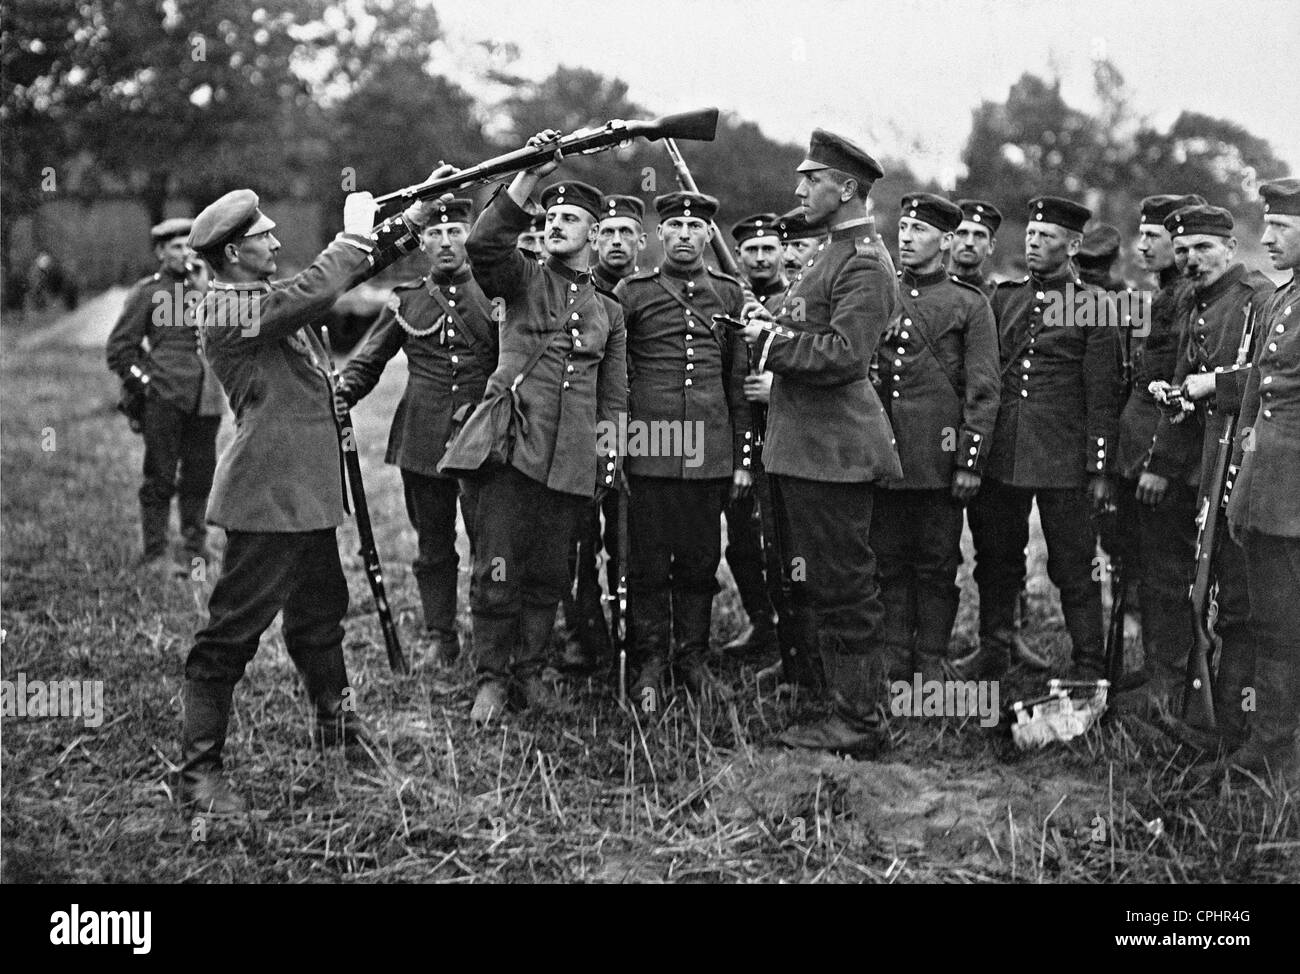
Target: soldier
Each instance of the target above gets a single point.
(1097, 256)
(446, 327)
(620, 239)
(939, 382)
(1060, 400)
(279, 484)
(530, 238)
(974, 243)
(828, 441)
(183, 402)
(1224, 292)
(682, 377)
(798, 242)
(758, 251)
(1264, 510)
(1157, 476)
(562, 359)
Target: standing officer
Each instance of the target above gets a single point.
(1158, 475)
(1264, 510)
(828, 441)
(1060, 401)
(529, 508)
(939, 382)
(974, 242)
(1224, 292)
(758, 251)
(445, 325)
(155, 337)
(682, 376)
(620, 239)
(278, 490)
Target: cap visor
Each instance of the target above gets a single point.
(809, 165)
(262, 224)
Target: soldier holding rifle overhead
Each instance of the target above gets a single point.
(279, 484)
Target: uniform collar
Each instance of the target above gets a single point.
(848, 230)
(977, 279)
(1231, 277)
(602, 275)
(693, 273)
(1067, 273)
(462, 276)
(567, 272)
(923, 280)
(776, 286)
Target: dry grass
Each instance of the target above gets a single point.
(692, 793)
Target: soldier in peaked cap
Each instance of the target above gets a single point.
(1156, 477)
(562, 359)
(530, 238)
(279, 484)
(758, 251)
(939, 382)
(973, 243)
(620, 239)
(182, 400)
(798, 242)
(683, 376)
(1224, 291)
(828, 442)
(1264, 509)
(1059, 403)
(444, 324)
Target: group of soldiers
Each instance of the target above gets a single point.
(840, 414)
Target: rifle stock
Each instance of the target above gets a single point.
(369, 551)
(700, 125)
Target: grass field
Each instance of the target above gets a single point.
(690, 793)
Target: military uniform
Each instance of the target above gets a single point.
(1166, 532)
(521, 571)
(987, 215)
(1211, 338)
(444, 323)
(1264, 510)
(939, 382)
(156, 334)
(828, 441)
(1055, 430)
(685, 376)
(279, 486)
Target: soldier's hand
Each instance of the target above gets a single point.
(1199, 385)
(1099, 489)
(359, 211)
(341, 406)
(421, 212)
(758, 387)
(1160, 389)
(540, 139)
(741, 483)
(965, 485)
(753, 333)
(1151, 488)
(753, 308)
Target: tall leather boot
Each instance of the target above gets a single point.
(1236, 672)
(155, 528)
(855, 683)
(1272, 747)
(325, 678)
(203, 735)
(901, 620)
(692, 615)
(990, 660)
(802, 665)
(536, 626)
(651, 628)
(194, 527)
(495, 644)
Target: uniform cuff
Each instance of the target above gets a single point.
(746, 451)
(1098, 456)
(972, 451)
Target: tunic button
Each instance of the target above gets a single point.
(569, 369)
(1026, 363)
(451, 332)
(690, 352)
(1272, 346)
(688, 380)
(895, 393)
(573, 287)
(915, 293)
(1281, 328)
(974, 450)
(1268, 414)
(455, 360)
(1039, 295)
(1024, 393)
(1267, 379)
(975, 437)
(907, 321)
(451, 304)
(455, 388)
(901, 350)
(574, 316)
(566, 383)
(690, 366)
(1200, 321)
(898, 378)
(904, 335)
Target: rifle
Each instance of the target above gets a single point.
(369, 552)
(620, 604)
(1118, 579)
(721, 252)
(700, 125)
(1198, 690)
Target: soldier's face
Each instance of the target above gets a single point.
(445, 245)
(684, 238)
(1208, 256)
(971, 245)
(1048, 246)
(1282, 241)
(256, 255)
(921, 246)
(173, 254)
(820, 196)
(531, 242)
(1155, 248)
(795, 254)
(619, 241)
(569, 230)
(760, 259)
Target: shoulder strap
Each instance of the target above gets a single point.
(441, 300)
(934, 352)
(696, 311)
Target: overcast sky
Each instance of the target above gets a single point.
(902, 77)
